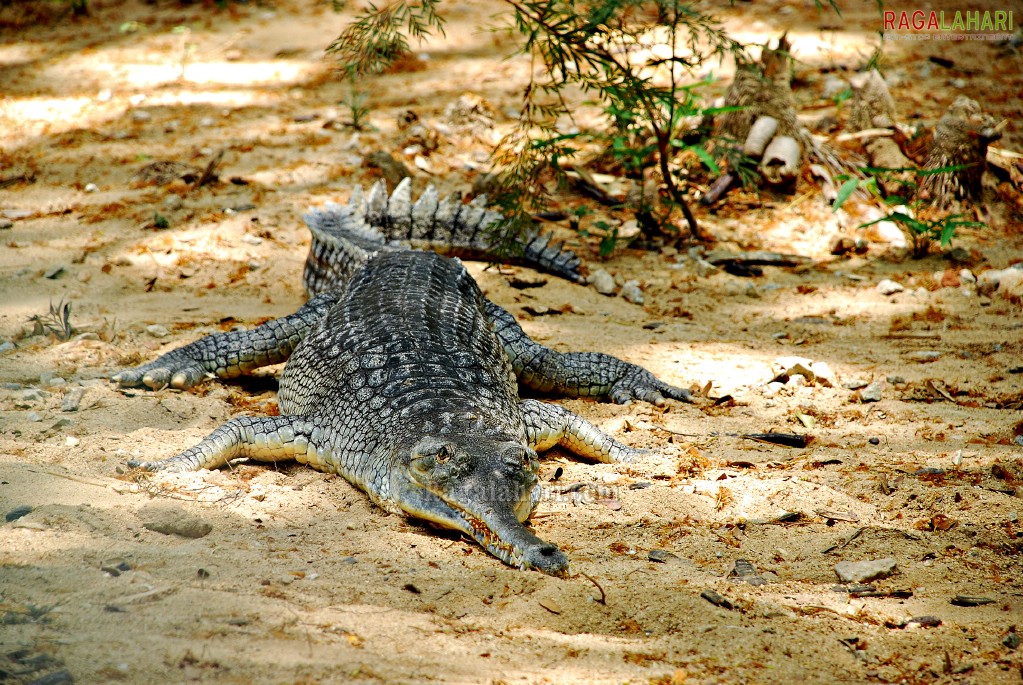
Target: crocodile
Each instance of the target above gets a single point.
(409, 392)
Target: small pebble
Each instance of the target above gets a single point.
(865, 571)
(1011, 639)
(874, 391)
(17, 512)
(173, 202)
(141, 115)
(172, 520)
(252, 239)
(874, 441)
(889, 287)
(7, 346)
(5, 224)
(72, 441)
(923, 356)
(855, 384)
(72, 399)
(54, 272)
(632, 292)
(157, 331)
(661, 556)
(603, 282)
(34, 416)
(91, 188)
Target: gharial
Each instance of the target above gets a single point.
(402, 379)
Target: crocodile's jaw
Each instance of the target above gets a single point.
(486, 496)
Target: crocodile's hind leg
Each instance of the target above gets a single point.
(577, 374)
(229, 355)
(263, 438)
(548, 425)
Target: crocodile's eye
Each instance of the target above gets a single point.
(442, 455)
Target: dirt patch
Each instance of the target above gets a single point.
(287, 575)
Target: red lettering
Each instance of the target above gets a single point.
(889, 20)
(918, 20)
(903, 21)
(932, 21)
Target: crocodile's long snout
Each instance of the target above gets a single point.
(501, 533)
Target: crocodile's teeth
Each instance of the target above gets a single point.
(376, 204)
(424, 213)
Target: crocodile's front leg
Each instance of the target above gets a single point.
(548, 425)
(229, 355)
(577, 374)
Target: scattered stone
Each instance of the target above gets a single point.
(17, 512)
(91, 188)
(252, 239)
(72, 399)
(825, 376)
(854, 588)
(603, 282)
(141, 115)
(54, 272)
(865, 571)
(889, 287)
(157, 331)
(7, 346)
(661, 556)
(922, 622)
(1006, 282)
(744, 570)
(32, 395)
(632, 292)
(874, 441)
(62, 677)
(874, 391)
(172, 520)
(1011, 639)
(966, 276)
(5, 224)
(34, 416)
(173, 202)
(716, 598)
(968, 601)
(923, 356)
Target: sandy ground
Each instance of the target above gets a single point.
(296, 578)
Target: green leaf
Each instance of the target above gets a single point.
(844, 193)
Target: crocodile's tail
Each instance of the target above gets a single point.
(452, 227)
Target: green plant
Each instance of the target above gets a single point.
(355, 101)
(57, 322)
(924, 229)
(602, 48)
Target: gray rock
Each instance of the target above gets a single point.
(34, 416)
(865, 571)
(603, 282)
(157, 331)
(889, 287)
(72, 399)
(5, 224)
(874, 391)
(172, 520)
(54, 272)
(7, 346)
(632, 293)
(923, 356)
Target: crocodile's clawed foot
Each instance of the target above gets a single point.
(181, 374)
(644, 386)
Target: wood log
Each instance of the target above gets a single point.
(780, 164)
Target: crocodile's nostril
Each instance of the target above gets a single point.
(548, 559)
